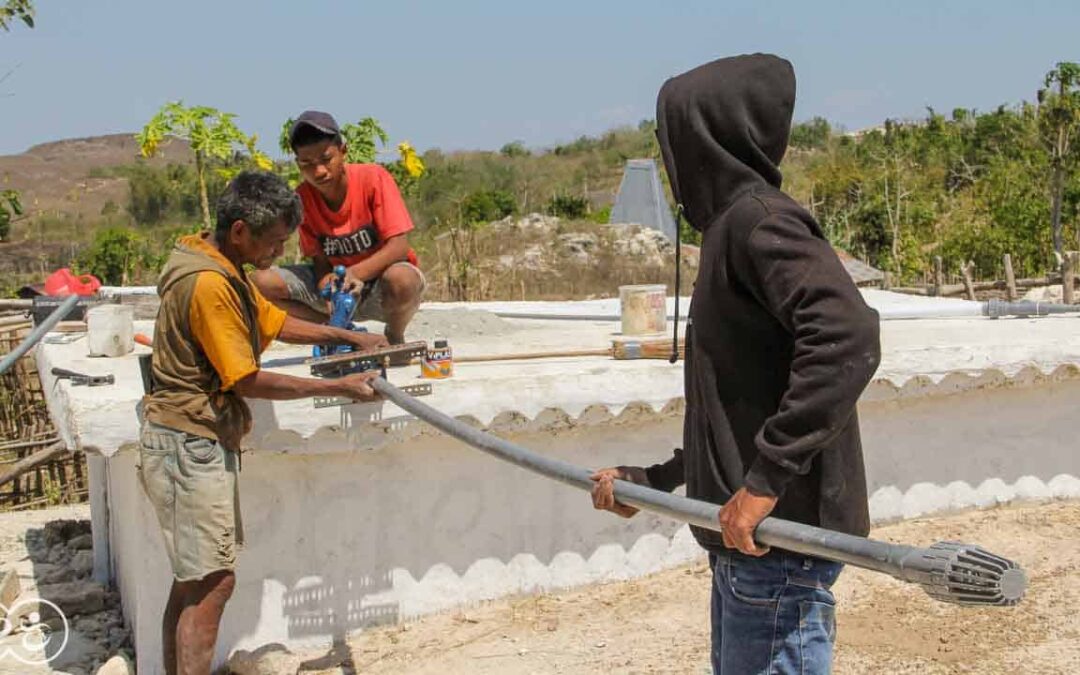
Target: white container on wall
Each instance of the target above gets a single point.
(111, 330)
(643, 309)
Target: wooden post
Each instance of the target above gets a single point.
(1068, 269)
(1075, 269)
(33, 462)
(886, 281)
(969, 284)
(939, 275)
(1010, 279)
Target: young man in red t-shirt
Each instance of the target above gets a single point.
(353, 216)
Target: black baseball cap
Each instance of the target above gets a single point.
(316, 119)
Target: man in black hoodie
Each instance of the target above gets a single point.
(779, 346)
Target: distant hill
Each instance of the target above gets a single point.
(58, 176)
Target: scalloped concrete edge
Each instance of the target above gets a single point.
(440, 588)
(383, 432)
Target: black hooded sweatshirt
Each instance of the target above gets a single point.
(780, 343)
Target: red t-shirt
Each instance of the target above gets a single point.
(372, 212)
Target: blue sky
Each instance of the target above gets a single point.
(479, 73)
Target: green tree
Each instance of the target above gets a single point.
(10, 209)
(211, 134)
(158, 194)
(485, 206)
(568, 206)
(514, 149)
(1059, 127)
(10, 205)
(813, 134)
(16, 10)
(115, 255)
(360, 140)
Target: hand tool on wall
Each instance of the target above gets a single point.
(336, 365)
(81, 379)
(343, 305)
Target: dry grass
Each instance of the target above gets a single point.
(492, 264)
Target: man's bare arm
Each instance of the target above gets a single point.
(323, 269)
(299, 332)
(280, 387)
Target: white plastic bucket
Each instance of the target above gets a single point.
(110, 330)
(643, 309)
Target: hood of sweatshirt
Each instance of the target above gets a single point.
(723, 128)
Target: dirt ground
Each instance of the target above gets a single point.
(659, 624)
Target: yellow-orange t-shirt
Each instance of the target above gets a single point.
(217, 319)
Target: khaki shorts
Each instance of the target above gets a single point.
(300, 280)
(192, 483)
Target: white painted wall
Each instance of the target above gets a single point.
(978, 447)
(348, 540)
(342, 541)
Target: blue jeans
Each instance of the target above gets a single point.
(773, 614)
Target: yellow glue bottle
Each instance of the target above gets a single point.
(438, 361)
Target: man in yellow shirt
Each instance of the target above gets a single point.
(212, 326)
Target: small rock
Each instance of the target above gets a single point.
(117, 665)
(76, 597)
(578, 246)
(1054, 294)
(37, 548)
(58, 554)
(83, 542)
(79, 651)
(113, 618)
(91, 625)
(601, 644)
(533, 223)
(532, 258)
(56, 574)
(118, 637)
(61, 531)
(650, 246)
(272, 659)
(82, 563)
(112, 599)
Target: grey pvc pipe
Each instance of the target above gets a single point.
(772, 531)
(996, 308)
(39, 332)
(907, 563)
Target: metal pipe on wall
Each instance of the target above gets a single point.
(39, 332)
(916, 310)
